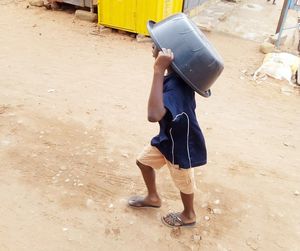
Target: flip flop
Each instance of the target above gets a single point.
(138, 202)
(176, 221)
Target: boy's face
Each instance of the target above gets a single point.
(154, 51)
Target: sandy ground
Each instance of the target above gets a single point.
(73, 118)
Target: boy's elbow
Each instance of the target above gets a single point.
(153, 118)
(155, 115)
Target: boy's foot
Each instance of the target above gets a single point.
(177, 220)
(142, 202)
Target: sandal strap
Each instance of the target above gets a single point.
(175, 220)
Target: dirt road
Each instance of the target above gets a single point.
(73, 118)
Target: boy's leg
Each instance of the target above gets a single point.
(152, 198)
(184, 180)
(188, 214)
(149, 159)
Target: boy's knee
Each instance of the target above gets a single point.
(139, 164)
(142, 166)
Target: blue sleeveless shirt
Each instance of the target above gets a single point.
(180, 138)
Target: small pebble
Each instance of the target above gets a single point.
(67, 180)
(89, 203)
(196, 237)
(63, 168)
(217, 202)
(296, 193)
(252, 243)
(217, 211)
(125, 155)
(206, 218)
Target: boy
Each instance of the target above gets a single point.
(180, 144)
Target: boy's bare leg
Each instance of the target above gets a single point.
(152, 198)
(188, 214)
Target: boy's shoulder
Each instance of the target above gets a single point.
(175, 83)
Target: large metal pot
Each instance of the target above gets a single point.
(195, 59)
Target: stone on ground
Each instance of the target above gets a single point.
(36, 3)
(86, 15)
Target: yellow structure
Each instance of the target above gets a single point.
(132, 15)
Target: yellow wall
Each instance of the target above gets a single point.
(156, 11)
(117, 13)
(132, 15)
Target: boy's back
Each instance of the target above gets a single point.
(180, 139)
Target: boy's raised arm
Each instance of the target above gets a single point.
(156, 108)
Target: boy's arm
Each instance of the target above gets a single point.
(156, 108)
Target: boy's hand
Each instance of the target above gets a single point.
(163, 60)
